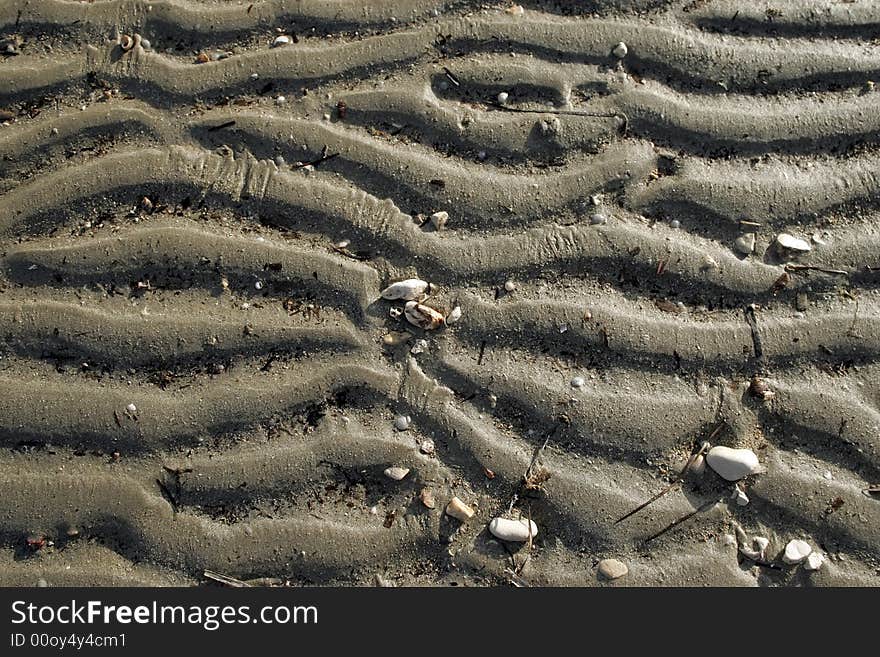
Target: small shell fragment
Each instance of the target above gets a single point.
(740, 496)
(422, 316)
(620, 50)
(502, 97)
(454, 315)
(426, 497)
(513, 530)
(612, 569)
(509, 286)
(427, 446)
(394, 339)
(733, 464)
(459, 510)
(282, 40)
(698, 465)
(793, 243)
(814, 561)
(745, 244)
(411, 288)
(578, 382)
(401, 422)
(439, 219)
(598, 219)
(759, 552)
(126, 42)
(396, 473)
(131, 408)
(796, 551)
(761, 389)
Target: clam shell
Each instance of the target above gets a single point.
(796, 551)
(411, 288)
(793, 243)
(733, 464)
(396, 473)
(459, 510)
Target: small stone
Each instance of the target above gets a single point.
(578, 382)
(439, 219)
(598, 220)
(801, 302)
(459, 510)
(401, 422)
(396, 473)
(814, 561)
(796, 551)
(394, 339)
(513, 530)
(502, 97)
(419, 347)
(42, 583)
(675, 224)
(515, 10)
(620, 50)
(131, 408)
(426, 497)
(280, 100)
(427, 446)
(793, 243)
(740, 496)
(745, 244)
(733, 464)
(454, 315)
(282, 40)
(509, 286)
(612, 569)
(258, 285)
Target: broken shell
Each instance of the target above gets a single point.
(454, 316)
(502, 97)
(509, 286)
(439, 219)
(427, 446)
(395, 312)
(394, 339)
(814, 561)
(759, 553)
(126, 42)
(740, 496)
(423, 316)
(733, 464)
(396, 473)
(598, 220)
(698, 465)
(419, 347)
(760, 389)
(411, 288)
(427, 498)
(513, 530)
(131, 408)
(459, 510)
(620, 50)
(282, 40)
(612, 569)
(796, 551)
(401, 422)
(793, 243)
(745, 244)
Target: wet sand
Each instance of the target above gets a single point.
(198, 372)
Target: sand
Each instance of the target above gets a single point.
(197, 372)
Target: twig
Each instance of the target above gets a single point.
(794, 267)
(452, 78)
(324, 157)
(515, 579)
(687, 516)
(225, 579)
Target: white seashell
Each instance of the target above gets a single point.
(459, 510)
(745, 244)
(509, 286)
(424, 317)
(796, 551)
(419, 347)
(620, 50)
(612, 569)
(396, 473)
(814, 561)
(739, 495)
(282, 40)
(401, 422)
(698, 465)
(759, 553)
(513, 530)
(502, 97)
(578, 382)
(439, 219)
(411, 288)
(454, 316)
(793, 243)
(131, 408)
(427, 446)
(733, 464)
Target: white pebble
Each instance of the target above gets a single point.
(454, 316)
(427, 446)
(258, 285)
(675, 223)
(620, 50)
(598, 220)
(280, 100)
(439, 219)
(396, 473)
(513, 530)
(740, 496)
(131, 408)
(281, 41)
(408, 290)
(502, 97)
(509, 286)
(733, 464)
(578, 382)
(796, 551)
(612, 569)
(793, 243)
(401, 422)
(745, 244)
